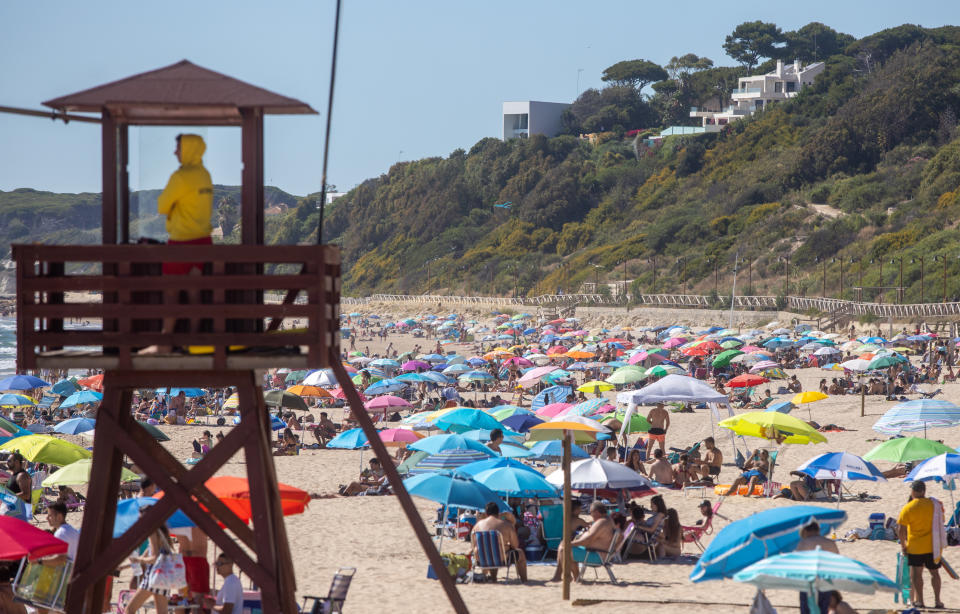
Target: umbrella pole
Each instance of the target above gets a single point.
(443, 529)
(567, 562)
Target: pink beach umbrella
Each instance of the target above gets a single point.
(674, 342)
(520, 362)
(750, 348)
(553, 410)
(385, 401)
(413, 365)
(398, 436)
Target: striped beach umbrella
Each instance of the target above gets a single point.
(815, 571)
(450, 459)
(918, 415)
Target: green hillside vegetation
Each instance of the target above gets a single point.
(874, 139)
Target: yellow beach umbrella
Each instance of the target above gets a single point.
(582, 433)
(46, 449)
(595, 386)
(579, 354)
(808, 396)
(773, 425)
(232, 402)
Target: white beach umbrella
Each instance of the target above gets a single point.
(595, 473)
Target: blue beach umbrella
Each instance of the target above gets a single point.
(476, 376)
(385, 386)
(15, 400)
(514, 450)
(386, 362)
(457, 369)
(82, 397)
(512, 482)
(128, 512)
(22, 382)
(65, 387)
(784, 407)
(552, 450)
(275, 423)
(439, 443)
(493, 463)
(553, 394)
(74, 426)
(758, 536)
(521, 422)
(816, 571)
(466, 419)
(349, 440)
(483, 435)
(841, 466)
(187, 392)
(940, 468)
(452, 490)
(412, 378)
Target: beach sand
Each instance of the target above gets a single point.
(373, 535)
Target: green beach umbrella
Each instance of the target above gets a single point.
(638, 422)
(282, 398)
(627, 375)
(731, 344)
(906, 449)
(884, 362)
(723, 358)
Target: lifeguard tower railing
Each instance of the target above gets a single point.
(118, 292)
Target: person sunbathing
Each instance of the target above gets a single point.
(671, 544)
(508, 532)
(372, 478)
(596, 538)
(755, 472)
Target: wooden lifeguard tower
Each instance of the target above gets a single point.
(240, 340)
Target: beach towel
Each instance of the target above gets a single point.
(939, 530)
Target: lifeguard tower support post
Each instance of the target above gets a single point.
(126, 278)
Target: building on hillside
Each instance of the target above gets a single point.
(521, 119)
(758, 92)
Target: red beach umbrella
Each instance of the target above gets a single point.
(20, 539)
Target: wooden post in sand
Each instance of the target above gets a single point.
(567, 562)
(863, 397)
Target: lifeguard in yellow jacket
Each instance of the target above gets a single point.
(187, 202)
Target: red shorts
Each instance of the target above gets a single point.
(184, 268)
(198, 573)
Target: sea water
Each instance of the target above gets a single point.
(8, 345)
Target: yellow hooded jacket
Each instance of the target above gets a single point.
(187, 201)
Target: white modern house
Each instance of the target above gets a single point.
(757, 92)
(521, 119)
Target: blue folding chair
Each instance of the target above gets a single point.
(491, 554)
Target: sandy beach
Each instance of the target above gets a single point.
(372, 534)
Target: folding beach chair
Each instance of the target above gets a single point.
(552, 526)
(334, 600)
(491, 553)
(596, 558)
(692, 534)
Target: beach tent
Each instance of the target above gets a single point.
(674, 388)
(553, 394)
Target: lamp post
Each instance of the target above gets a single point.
(899, 279)
(913, 260)
(880, 288)
(716, 273)
(516, 279)
(786, 275)
(944, 258)
(823, 290)
(626, 299)
(860, 281)
(683, 275)
(653, 261)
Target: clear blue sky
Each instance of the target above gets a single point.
(416, 79)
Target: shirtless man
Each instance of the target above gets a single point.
(371, 478)
(712, 460)
(193, 546)
(511, 542)
(810, 539)
(661, 470)
(597, 537)
(659, 419)
(325, 430)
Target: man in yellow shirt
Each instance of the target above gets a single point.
(916, 540)
(187, 203)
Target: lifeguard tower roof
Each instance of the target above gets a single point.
(180, 93)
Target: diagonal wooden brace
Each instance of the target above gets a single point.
(396, 483)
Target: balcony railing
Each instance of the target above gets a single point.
(748, 90)
(120, 290)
